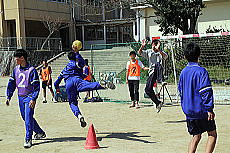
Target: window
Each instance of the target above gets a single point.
(94, 33)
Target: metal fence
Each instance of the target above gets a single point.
(30, 43)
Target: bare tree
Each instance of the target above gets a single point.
(53, 25)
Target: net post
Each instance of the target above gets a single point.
(91, 56)
(174, 63)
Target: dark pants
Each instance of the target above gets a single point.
(149, 88)
(134, 89)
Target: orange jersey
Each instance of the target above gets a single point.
(45, 72)
(88, 78)
(134, 69)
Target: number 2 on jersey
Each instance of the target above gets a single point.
(23, 76)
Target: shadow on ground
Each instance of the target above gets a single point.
(132, 136)
(62, 139)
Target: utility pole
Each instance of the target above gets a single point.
(104, 19)
(73, 19)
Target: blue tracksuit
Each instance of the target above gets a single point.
(26, 80)
(73, 76)
(196, 92)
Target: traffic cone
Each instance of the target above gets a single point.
(91, 140)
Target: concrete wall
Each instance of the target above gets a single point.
(216, 13)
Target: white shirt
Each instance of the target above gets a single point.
(134, 77)
(153, 58)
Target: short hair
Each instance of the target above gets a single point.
(72, 56)
(86, 62)
(155, 41)
(132, 53)
(21, 53)
(192, 52)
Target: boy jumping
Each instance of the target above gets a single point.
(25, 78)
(133, 78)
(73, 76)
(197, 100)
(154, 56)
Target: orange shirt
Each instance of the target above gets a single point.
(134, 69)
(45, 72)
(88, 78)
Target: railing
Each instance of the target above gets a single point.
(30, 43)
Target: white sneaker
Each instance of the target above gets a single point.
(54, 100)
(28, 144)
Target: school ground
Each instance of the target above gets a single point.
(119, 129)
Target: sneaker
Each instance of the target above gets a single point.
(82, 121)
(44, 101)
(54, 100)
(28, 144)
(138, 106)
(158, 107)
(109, 85)
(38, 136)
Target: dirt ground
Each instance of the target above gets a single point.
(119, 129)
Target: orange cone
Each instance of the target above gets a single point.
(91, 140)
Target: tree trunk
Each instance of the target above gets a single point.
(46, 40)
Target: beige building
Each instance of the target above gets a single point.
(97, 21)
(23, 18)
(216, 14)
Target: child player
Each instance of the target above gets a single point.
(45, 74)
(133, 78)
(197, 100)
(154, 56)
(73, 76)
(25, 78)
(88, 73)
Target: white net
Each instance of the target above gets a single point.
(215, 57)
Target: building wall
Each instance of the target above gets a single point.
(22, 12)
(216, 14)
(35, 9)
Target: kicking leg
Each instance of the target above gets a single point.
(83, 86)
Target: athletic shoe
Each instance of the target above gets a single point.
(82, 121)
(38, 136)
(138, 106)
(44, 101)
(158, 107)
(54, 100)
(111, 85)
(108, 85)
(28, 144)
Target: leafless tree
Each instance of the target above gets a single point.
(53, 25)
